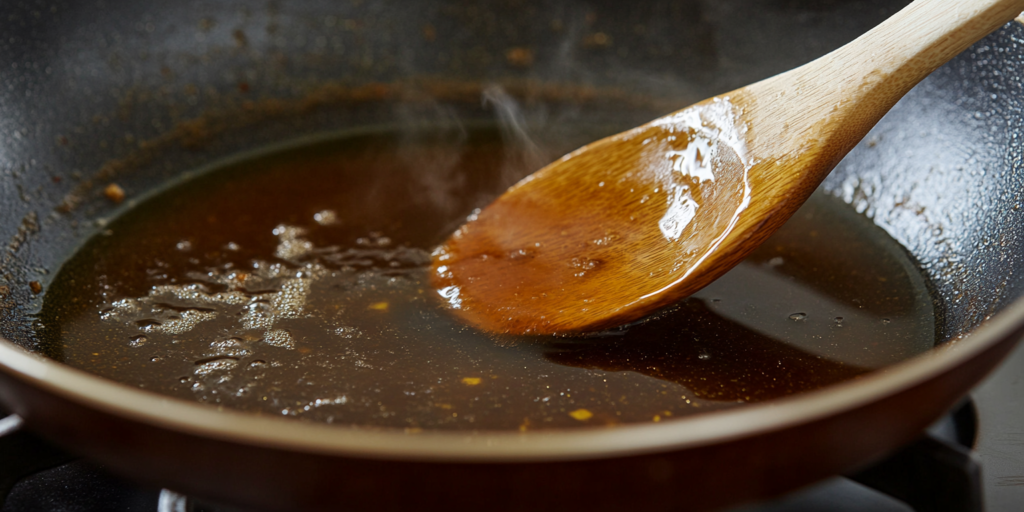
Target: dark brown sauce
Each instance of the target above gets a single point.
(295, 283)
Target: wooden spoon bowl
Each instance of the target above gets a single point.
(634, 222)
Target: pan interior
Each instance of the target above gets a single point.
(292, 281)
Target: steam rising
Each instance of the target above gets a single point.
(432, 139)
(523, 153)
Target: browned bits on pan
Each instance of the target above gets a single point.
(36, 287)
(114, 192)
(62, 140)
(597, 40)
(241, 40)
(429, 33)
(519, 57)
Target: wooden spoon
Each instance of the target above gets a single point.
(632, 223)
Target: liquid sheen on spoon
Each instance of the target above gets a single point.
(634, 222)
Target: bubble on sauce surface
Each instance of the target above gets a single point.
(209, 367)
(325, 217)
(186, 321)
(279, 338)
(232, 347)
(348, 332)
(292, 245)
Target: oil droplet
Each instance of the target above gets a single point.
(704, 357)
(471, 381)
(797, 317)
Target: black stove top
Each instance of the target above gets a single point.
(970, 461)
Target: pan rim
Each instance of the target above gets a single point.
(584, 443)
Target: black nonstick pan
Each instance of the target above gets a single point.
(140, 92)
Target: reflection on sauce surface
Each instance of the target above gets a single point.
(296, 283)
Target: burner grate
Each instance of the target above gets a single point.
(937, 473)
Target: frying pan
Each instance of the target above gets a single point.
(139, 93)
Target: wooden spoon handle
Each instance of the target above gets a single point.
(923, 36)
(861, 81)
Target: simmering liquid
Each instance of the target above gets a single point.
(296, 283)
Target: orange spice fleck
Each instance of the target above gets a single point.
(429, 33)
(597, 40)
(114, 192)
(519, 57)
(581, 414)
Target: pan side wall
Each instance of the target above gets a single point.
(943, 174)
